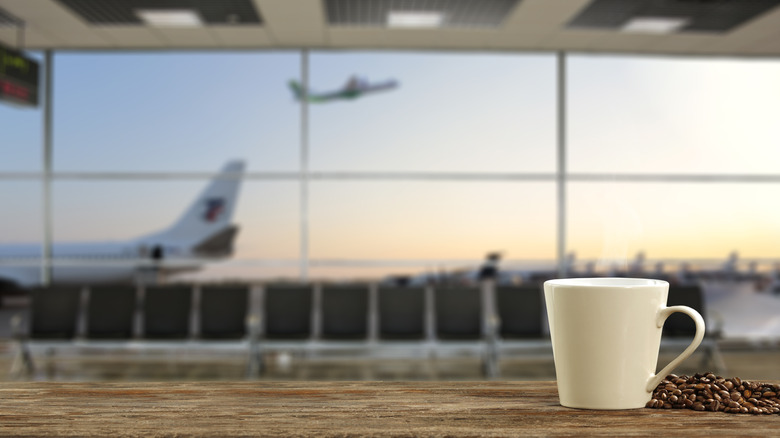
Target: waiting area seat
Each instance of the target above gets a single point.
(679, 329)
(401, 313)
(111, 312)
(131, 319)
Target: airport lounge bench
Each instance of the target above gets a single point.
(179, 320)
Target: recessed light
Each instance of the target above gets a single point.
(655, 24)
(415, 19)
(169, 17)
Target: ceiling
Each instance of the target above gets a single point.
(743, 28)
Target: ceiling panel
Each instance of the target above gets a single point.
(232, 36)
(188, 38)
(132, 37)
(451, 13)
(712, 16)
(125, 12)
(526, 25)
(352, 37)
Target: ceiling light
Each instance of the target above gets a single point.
(169, 17)
(415, 19)
(655, 24)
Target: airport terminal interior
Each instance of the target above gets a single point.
(378, 189)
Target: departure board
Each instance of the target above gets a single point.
(18, 77)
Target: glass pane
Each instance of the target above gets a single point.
(118, 211)
(175, 111)
(21, 128)
(455, 112)
(429, 221)
(675, 115)
(612, 223)
(22, 217)
(21, 232)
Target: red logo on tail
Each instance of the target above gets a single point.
(214, 208)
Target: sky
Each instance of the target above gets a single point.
(453, 112)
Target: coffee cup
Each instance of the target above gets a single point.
(606, 334)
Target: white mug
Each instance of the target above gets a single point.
(606, 333)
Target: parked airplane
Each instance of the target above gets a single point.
(203, 233)
(354, 88)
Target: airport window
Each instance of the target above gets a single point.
(22, 220)
(387, 189)
(612, 223)
(672, 115)
(445, 112)
(437, 221)
(174, 111)
(660, 166)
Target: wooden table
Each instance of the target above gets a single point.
(337, 408)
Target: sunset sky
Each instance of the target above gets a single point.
(452, 113)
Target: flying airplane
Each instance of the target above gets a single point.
(354, 88)
(203, 233)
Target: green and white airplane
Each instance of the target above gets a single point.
(354, 88)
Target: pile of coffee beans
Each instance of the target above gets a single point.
(708, 392)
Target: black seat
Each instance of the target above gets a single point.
(110, 311)
(520, 311)
(167, 312)
(458, 313)
(679, 324)
(401, 313)
(54, 312)
(344, 312)
(679, 327)
(223, 311)
(288, 311)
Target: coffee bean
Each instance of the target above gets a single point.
(714, 393)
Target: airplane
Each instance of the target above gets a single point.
(204, 232)
(354, 88)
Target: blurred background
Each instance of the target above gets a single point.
(509, 155)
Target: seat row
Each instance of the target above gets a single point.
(311, 319)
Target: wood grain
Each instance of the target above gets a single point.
(336, 409)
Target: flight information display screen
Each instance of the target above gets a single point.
(18, 78)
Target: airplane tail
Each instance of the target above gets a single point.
(296, 89)
(207, 219)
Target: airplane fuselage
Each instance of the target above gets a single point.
(99, 262)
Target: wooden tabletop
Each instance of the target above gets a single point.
(337, 408)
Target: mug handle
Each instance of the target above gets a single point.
(664, 313)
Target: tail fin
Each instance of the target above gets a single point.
(211, 212)
(296, 89)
